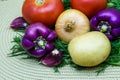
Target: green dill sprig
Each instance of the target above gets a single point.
(63, 47)
(114, 57)
(66, 4)
(17, 48)
(20, 31)
(101, 68)
(113, 4)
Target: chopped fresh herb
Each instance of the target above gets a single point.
(17, 48)
(22, 31)
(66, 4)
(114, 58)
(114, 4)
(62, 46)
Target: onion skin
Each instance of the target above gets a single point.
(111, 19)
(19, 23)
(52, 59)
(70, 24)
(38, 40)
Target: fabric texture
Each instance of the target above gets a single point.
(15, 68)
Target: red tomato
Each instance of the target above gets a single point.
(45, 11)
(89, 7)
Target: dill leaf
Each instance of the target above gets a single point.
(113, 4)
(66, 4)
(17, 47)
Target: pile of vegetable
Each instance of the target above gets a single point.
(78, 33)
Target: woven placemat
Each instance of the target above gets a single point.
(15, 68)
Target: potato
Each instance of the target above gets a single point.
(89, 49)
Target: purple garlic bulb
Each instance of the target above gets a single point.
(18, 23)
(52, 59)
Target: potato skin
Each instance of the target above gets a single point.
(90, 49)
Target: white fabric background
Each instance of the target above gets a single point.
(15, 68)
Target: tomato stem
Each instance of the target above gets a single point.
(39, 2)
